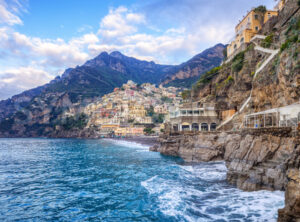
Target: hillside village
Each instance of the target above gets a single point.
(132, 110)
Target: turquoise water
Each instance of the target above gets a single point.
(104, 180)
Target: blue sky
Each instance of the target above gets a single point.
(41, 38)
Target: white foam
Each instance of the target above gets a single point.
(129, 144)
(179, 196)
(208, 171)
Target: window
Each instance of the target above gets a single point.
(256, 16)
(204, 127)
(256, 28)
(242, 39)
(195, 127)
(213, 127)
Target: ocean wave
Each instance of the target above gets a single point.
(200, 193)
(129, 144)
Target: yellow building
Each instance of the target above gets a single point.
(108, 128)
(129, 131)
(136, 110)
(247, 28)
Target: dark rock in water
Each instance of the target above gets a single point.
(154, 148)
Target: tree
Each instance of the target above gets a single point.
(158, 118)
(186, 94)
(148, 131)
(150, 111)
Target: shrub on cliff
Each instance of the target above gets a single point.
(78, 122)
(186, 94)
(148, 131)
(266, 43)
(206, 78)
(238, 62)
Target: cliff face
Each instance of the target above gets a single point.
(273, 84)
(254, 159)
(291, 211)
(195, 147)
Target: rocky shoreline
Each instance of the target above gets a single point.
(256, 159)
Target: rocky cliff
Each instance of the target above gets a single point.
(255, 159)
(187, 73)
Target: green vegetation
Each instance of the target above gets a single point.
(250, 47)
(267, 42)
(206, 77)
(228, 80)
(260, 9)
(238, 62)
(186, 94)
(78, 122)
(148, 131)
(150, 111)
(288, 42)
(166, 99)
(158, 118)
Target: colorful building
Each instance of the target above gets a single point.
(248, 28)
(129, 131)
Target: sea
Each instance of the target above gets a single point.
(114, 180)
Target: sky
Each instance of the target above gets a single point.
(39, 39)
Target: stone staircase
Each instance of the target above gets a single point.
(264, 64)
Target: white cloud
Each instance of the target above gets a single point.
(119, 22)
(8, 13)
(16, 80)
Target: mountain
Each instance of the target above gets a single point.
(189, 72)
(102, 74)
(95, 78)
(36, 112)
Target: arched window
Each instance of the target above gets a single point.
(195, 127)
(185, 127)
(204, 127)
(213, 127)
